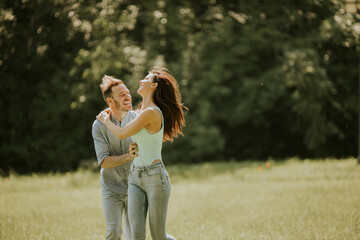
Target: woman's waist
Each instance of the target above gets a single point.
(140, 167)
(144, 160)
(149, 154)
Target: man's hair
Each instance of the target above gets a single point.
(106, 86)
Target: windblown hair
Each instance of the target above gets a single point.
(106, 86)
(167, 97)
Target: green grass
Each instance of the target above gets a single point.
(290, 199)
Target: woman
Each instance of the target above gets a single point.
(160, 118)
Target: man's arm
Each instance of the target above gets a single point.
(115, 161)
(103, 152)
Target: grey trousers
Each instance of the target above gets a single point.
(115, 207)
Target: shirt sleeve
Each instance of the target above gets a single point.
(101, 146)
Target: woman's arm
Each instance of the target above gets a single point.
(145, 118)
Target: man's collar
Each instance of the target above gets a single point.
(115, 119)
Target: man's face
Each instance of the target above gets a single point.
(122, 98)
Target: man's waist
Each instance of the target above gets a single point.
(117, 174)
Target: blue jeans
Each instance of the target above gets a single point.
(149, 191)
(114, 206)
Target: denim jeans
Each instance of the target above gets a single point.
(115, 206)
(149, 191)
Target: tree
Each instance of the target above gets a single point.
(260, 79)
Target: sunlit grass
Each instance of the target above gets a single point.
(289, 199)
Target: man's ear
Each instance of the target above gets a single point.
(109, 101)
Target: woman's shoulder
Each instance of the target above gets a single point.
(150, 111)
(154, 109)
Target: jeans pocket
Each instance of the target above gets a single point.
(154, 171)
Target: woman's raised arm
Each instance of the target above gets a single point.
(145, 118)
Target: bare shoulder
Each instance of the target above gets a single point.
(150, 112)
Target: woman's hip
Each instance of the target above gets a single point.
(151, 177)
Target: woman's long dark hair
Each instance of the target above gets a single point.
(167, 97)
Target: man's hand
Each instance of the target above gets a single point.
(133, 150)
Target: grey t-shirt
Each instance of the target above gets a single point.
(107, 144)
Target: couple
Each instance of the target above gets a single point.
(143, 185)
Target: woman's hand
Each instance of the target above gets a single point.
(103, 117)
(133, 150)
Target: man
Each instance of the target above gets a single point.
(113, 156)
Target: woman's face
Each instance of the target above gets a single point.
(146, 85)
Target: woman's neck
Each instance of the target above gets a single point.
(147, 101)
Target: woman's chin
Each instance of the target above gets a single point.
(139, 92)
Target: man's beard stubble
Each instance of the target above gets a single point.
(117, 105)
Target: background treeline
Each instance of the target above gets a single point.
(261, 78)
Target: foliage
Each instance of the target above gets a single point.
(37, 51)
(260, 78)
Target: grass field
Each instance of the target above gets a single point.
(290, 199)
